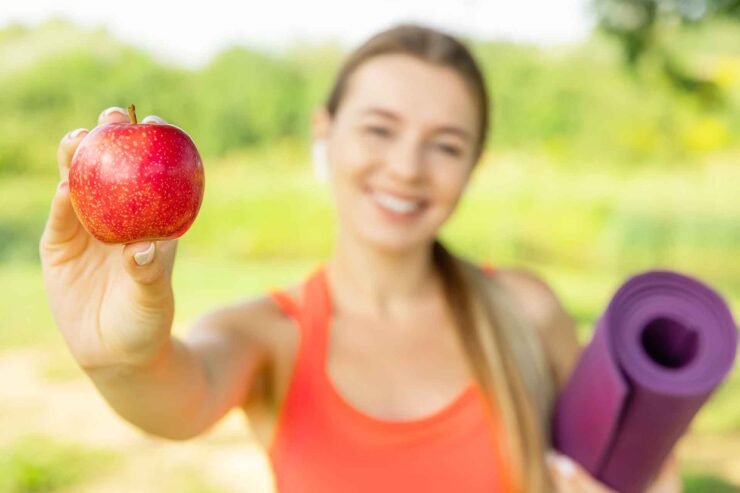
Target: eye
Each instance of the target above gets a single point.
(448, 149)
(379, 131)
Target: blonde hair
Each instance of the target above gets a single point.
(504, 350)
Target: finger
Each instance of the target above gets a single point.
(66, 149)
(574, 477)
(154, 119)
(149, 264)
(586, 483)
(563, 473)
(62, 224)
(114, 114)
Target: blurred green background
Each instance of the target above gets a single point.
(600, 165)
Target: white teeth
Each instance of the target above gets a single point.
(396, 204)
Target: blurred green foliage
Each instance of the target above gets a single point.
(574, 103)
(638, 23)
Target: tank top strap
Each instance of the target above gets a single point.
(487, 267)
(285, 302)
(310, 313)
(316, 315)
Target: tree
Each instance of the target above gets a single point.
(638, 24)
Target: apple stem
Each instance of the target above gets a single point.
(132, 113)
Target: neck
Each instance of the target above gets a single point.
(380, 283)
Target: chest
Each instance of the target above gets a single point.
(394, 371)
(431, 436)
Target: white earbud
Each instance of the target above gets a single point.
(320, 162)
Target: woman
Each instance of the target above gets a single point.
(395, 365)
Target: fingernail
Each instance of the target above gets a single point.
(562, 463)
(113, 109)
(152, 119)
(76, 133)
(62, 185)
(143, 258)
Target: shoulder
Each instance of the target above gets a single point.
(537, 298)
(538, 302)
(238, 345)
(256, 322)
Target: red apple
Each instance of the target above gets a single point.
(136, 181)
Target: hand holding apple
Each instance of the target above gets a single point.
(113, 303)
(133, 181)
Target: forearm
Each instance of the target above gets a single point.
(167, 398)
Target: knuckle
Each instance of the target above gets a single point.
(77, 133)
(68, 144)
(150, 274)
(71, 136)
(42, 246)
(49, 253)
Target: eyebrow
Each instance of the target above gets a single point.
(464, 134)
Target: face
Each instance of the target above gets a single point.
(401, 148)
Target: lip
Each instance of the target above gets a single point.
(403, 196)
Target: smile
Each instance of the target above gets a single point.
(396, 206)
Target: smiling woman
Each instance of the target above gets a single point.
(404, 127)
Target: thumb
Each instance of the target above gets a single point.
(149, 263)
(62, 224)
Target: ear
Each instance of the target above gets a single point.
(320, 123)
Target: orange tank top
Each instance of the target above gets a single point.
(323, 444)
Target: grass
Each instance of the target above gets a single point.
(187, 480)
(698, 482)
(37, 464)
(26, 318)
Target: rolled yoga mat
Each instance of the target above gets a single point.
(663, 345)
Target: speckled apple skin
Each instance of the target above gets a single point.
(136, 182)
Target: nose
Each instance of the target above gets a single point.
(404, 160)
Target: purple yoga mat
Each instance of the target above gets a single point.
(662, 346)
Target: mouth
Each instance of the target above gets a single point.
(397, 207)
